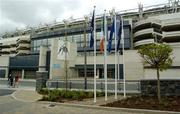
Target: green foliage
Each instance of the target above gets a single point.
(55, 95)
(69, 94)
(99, 94)
(75, 96)
(44, 91)
(90, 94)
(156, 55)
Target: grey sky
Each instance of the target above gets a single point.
(22, 13)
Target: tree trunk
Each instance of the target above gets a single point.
(158, 86)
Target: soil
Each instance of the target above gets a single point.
(170, 103)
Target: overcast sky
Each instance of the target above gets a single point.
(22, 13)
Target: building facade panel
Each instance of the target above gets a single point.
(154, 25)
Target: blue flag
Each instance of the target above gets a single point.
(92, 30)
(110, 38)
(119, 32)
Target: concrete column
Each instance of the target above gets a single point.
(54, 43)
(42, 58)
(22, 74)
(77, 73)
(7, 73)
(97, 76)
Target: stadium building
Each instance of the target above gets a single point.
(40, 49)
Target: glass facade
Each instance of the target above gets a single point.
(35, 44)
(100, 71)
(79, 39)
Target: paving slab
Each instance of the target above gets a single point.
(26, 95)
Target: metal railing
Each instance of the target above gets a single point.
(131, 86)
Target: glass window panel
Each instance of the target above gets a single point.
(49, 41)
(126, 33)
(126, 43)
(44, 42)
(38, 48)
(78, 45)
(69, 38)
(38, 42)
(78, 38)
(98, 35)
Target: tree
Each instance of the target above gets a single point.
(158, 56)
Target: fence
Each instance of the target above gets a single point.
(131, 86)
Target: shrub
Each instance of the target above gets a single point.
(68, 94)
(62, 93)
(75, 96)
(100, 94)
(82, 94)
(44, 91)
(90, 94)
(52, 96)
(55, 95)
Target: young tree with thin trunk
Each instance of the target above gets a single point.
(158, 56)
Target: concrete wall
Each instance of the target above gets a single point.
(55, 72)
(176, 55)
(57, 67)
(167, 74)
(133, 65)
(4, 63)
(171, 73)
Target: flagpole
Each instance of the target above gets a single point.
(124, 75)
(94, 56)
(115, 38)
(105, 54)
(118, 66)
(118, 77)
(85, 55)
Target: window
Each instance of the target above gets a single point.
(44, 42)
(98, 35)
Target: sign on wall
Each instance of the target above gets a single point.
(56, 66)
(63, 50)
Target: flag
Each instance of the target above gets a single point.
(110, 38)
(92, 30)
(102, 44)
(119, 32)
(102, 35)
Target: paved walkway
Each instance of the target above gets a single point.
(24, 102)
(8, 105)
(19, 88)
(78, 107)
(99, 101)
(26, 95)
(33, 96)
